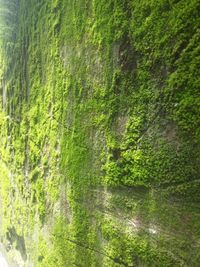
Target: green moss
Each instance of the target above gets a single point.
(100, 132)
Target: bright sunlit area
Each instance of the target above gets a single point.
(3, 262)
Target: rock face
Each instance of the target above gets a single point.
(100, 133)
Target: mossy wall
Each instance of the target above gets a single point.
(100, 133)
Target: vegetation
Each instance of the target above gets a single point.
(100, 132)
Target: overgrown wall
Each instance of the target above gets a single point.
(100, 133)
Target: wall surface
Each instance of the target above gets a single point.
(100, 132)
